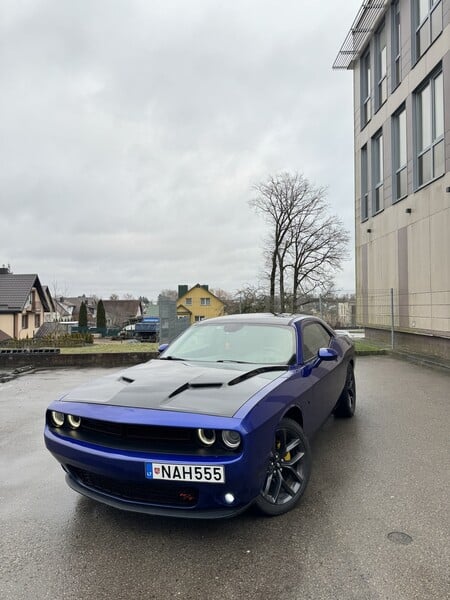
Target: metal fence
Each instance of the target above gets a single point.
(399, 313)
(428, 311)
(392, 310)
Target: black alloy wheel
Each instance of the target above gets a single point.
(288, 470)
(345, 407)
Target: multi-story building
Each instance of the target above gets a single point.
(399, 52)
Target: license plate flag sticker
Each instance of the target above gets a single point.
(172, 472)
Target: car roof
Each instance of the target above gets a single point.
(258, 318)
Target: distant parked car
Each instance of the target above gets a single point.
(127, 331)
(219, 422)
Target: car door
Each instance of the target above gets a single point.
(323, 378)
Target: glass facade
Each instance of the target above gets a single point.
(381, 66)
(400, 178)
(377, 172)
(396, 45)
(429, 104)
(365, 89)
(428, 24)
(364, 185)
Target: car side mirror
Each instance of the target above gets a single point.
(327, 354)
(162, 347)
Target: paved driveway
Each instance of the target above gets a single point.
(384, 472)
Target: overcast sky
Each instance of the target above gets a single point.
(132, 132)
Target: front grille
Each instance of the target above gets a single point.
(148, 492)
(142, 438)
(138, 437)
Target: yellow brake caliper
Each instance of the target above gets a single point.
(287, 456)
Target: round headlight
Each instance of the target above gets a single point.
(73, 421)
(57, 418)
(232, 439)
(206, 436)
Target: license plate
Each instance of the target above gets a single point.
(199, 473)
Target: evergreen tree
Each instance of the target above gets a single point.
(82, 317)
(101, 316)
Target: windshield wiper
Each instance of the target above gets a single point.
(229, 360)
(171, 358)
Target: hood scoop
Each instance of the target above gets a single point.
(194, 386)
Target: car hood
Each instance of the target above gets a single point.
(207, 388)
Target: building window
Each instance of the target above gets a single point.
(377, 172)
(430, 152)
(396, 45)
(199, 318)
(205, 301)
(399, 154)
(24, 321)
(37, 320)
(188, 302)
(365, 89)
(428, 24)
(380, 67)
(364, 184)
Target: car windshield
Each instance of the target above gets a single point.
(235, 342)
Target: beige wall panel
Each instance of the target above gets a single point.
(7, 324)
(419, 274)
(382, 277)
(440, 269)
(440, 251)
(419, 256)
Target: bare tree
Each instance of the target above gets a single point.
(229, 301)
(306, 243)
(251, 299)
(318, 247)
(278, 199)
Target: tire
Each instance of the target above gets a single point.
(345, 407)
(288, 471)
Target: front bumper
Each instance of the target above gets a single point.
(117, 478)
(151, 509)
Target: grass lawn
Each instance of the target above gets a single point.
(366, 347)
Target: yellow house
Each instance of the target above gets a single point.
(198, 303)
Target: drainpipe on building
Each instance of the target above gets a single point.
(392, 318)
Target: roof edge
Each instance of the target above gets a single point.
(365, 23)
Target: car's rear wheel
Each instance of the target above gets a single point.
(345, 407)
(288, 470)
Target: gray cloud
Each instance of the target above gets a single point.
(132, 133)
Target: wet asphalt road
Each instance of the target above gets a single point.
(385, 471)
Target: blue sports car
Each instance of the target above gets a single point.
(220, 421)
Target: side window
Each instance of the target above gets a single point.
(314, 336)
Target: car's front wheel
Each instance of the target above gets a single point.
(288, 470)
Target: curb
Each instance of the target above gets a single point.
(424, 361)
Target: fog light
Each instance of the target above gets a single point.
(232, 439)
(57, 418)
(206, 436)
(229, 498)
(73, 421)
